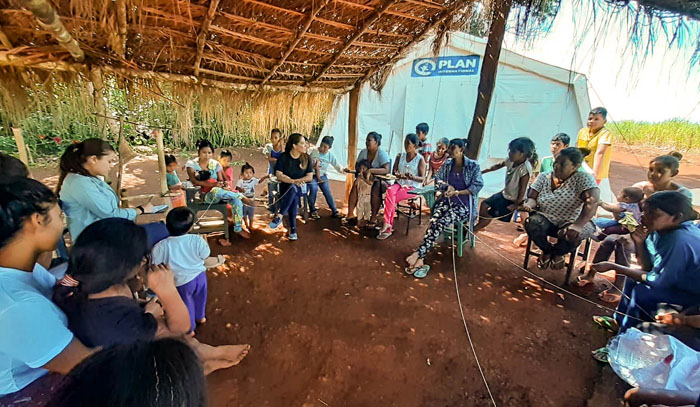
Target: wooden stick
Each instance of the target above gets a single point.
(21, 147)
(376, 15)
(161, 166)
(123, 28)
(393, 13)
(352, 139)
(49, 20)
(99, 100)
(121, 162)
(203, 32)
(309, 20)
(4, 40)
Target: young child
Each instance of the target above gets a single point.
(324, 159)
(225, 158)
(215, 194)
(173, 181)
(628, 202)
(101, 308)
(424, 147)
(185, 254)
(363, 183)
(246, 185)
(438, 158)
(559, 142)
(273, 150)
(521, 156)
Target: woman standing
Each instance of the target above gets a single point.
(85, 197)
(409, 168)
(565, 200)
(379, 165)
(460, 177)
(293, 169)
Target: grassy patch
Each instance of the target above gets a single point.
(681, 135)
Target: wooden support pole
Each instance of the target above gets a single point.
(203, 32)
(352, 138)
(49, 20)
(21, 147)
(118, 189)
(99, 101)
(487, 81)
(161, 166)
(123, 28)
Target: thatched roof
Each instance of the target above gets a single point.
(324, 44)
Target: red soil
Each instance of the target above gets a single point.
(333, 320)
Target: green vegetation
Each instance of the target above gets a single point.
(676, 134)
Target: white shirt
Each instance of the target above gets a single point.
(184, 254)
(248, 186)
(33, 330)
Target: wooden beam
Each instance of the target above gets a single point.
(426, 3)
(309, 20)
(203, 32)
(123, 28)
(376, 15)
(228, 75)
(487, 79)
(390, 12)
(4, 40)
(352, 139)
(99, 100)
(161, 166)
(49, 20)
(449, 12)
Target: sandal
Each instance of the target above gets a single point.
(557, 263)
(421, 271)
(606, 296)
(213, 262)
(384, 235)
(582, 282)
(607, 323)
(543, 264)
(601, 355)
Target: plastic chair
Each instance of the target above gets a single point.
(572, 256)
(458, 230)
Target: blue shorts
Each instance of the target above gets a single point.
(248, 212)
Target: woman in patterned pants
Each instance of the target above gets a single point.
(462, 179)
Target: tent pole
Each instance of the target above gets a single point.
(487, 80)
(352, 138)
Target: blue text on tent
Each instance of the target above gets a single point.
(445, 66)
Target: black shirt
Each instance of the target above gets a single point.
(292, 167)
(110, 321)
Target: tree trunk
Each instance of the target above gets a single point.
(487, 81)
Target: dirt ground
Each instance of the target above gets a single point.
(333, 320)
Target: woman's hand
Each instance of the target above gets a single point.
(603, 266)
(247, 201)
(570, 233)
(669, 318)
(161, 279)
(451, 191)
(348, 170)
(298, 182)
(154, 308)
(640, 234)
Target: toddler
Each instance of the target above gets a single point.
(185, 254)
(215, 194)
(246, 185)
(225, 158)
(628, 202)
(425, 149)
(273, 150)
(363, 183)
(173, 181)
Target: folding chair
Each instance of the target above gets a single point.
(573, 254)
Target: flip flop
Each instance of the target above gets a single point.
(213, 262)
(581, 282)
(607, 323)
(601, 355)
(384, 235)
(603, 295)
(543, 264)
(410, 270)
(421, 271)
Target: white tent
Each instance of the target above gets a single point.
(530, 99)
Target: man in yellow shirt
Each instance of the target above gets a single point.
(599, 140)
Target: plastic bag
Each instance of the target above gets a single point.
(654, 361)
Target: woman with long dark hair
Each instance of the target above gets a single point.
(379, 165)
(85, 197)
(293, 169)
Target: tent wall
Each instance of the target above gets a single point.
(525, 103)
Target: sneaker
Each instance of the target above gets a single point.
(293, 236)
(275, 223)
(315, 215)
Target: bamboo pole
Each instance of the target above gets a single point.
(310, 19)
(118, 189)
(376, 15)
(352, 139)
(21, 147)
(49, 20)
(202, 36)
(161, 166)
(99, 101)
(487, 80)
(123, 28)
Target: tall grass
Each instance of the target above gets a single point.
(676, 134)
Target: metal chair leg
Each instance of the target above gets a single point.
(528, 252)
(460, 238)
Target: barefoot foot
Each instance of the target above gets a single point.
(202, 321)
(607, 296)
(224, 243)
(413, 259)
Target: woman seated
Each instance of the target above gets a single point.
(561, 204)
(460, 180)
(379, 163)
(85, 197)
(409, 168)
(206, 173)
(668, 249)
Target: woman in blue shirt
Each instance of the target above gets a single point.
(668, 249)
(460, 179)
(85, 198)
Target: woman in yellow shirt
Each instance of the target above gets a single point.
(599, 140)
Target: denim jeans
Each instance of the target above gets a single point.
(326, 189)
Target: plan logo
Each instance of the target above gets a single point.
(445, 66)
